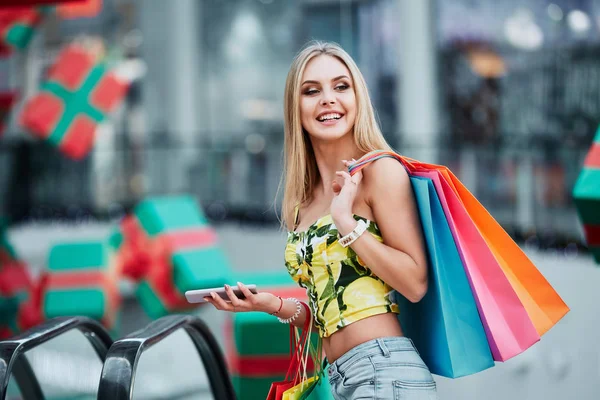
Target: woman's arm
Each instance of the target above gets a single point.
(400, 260)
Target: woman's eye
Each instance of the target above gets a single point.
(311, 91)
(342, 87)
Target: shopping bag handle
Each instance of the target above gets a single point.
(407, 162)
(297, 345)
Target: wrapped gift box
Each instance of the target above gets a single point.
(79, 282)
(587, 197)
(77, 96)
(184, 254)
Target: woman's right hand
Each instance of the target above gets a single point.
(263, 301)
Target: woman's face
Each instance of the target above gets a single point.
(327, 99)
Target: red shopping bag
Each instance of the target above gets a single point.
(297, 347)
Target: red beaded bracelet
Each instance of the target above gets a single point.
(280, 306)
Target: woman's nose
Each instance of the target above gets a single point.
(327, 99)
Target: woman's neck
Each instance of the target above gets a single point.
(329, 156)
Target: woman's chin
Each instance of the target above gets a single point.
(331, 134)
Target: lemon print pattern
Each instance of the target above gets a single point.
(340, 288)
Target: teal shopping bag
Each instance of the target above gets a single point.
(445, 325)
(321, 390)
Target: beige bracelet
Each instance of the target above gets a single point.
(347, 240)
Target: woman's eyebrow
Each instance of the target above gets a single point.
(337, 78)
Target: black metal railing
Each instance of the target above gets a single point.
(118, 373)
(13, 361)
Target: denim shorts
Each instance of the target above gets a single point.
(385, 368)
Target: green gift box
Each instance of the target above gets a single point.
(79, 282)
(586, 195)
(194, 260)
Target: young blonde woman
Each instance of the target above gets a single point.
(352, 240)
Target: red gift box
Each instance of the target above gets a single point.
(77, 96)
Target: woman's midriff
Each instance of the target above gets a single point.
(374, 327)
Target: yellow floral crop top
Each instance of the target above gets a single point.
(340, 288)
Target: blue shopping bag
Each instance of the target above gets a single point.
(445, 325)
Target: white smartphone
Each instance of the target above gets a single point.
(197, 296)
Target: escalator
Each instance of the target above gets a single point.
(74, 358)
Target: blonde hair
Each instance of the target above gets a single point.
(300, 168)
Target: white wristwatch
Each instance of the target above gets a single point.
(347, 240)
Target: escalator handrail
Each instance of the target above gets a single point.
(11, 349)
(118, 372)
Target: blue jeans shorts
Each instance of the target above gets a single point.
(387, 368)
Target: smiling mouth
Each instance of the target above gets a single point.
(329, 117)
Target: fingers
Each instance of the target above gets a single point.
(349, 162)
(344, 175)
(219, 303)
(247, 293)
(355, 179)
(232, 297)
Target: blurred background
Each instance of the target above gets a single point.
(505, 93)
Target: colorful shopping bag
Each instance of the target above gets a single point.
(586, 195)
(508, 327)
(544, 306)
(306, 385)
(451, 340)
(297, 347)
(321, 390)
(296, 392)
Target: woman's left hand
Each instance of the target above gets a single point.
(344, 195)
